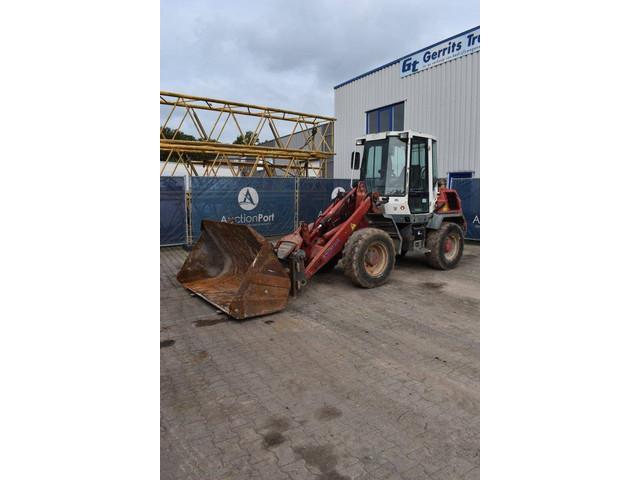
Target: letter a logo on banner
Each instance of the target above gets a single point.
(248, 198)
(336, 191)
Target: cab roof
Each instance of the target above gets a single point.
(395, 133)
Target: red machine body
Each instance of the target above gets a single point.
(323, 240)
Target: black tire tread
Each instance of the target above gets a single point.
(354, 246)
(435, 259)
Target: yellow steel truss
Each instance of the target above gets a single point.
(280, 158)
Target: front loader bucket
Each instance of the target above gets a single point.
(234, 268)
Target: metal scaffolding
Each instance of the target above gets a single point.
(302, 143)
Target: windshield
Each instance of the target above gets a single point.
(384, 166)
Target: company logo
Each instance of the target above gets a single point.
(248, 198)
(464, 44)
(336, 191)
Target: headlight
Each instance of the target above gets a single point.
(284, 249)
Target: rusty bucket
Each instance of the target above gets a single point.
(234, 268)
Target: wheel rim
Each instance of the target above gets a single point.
(375, 259)
(451, 246)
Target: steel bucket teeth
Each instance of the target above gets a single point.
(234, 268)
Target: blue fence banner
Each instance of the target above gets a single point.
(266, 204)
(469, 191)
(452, 175)
(314, 194)
(173, 211)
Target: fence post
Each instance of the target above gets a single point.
(188, 226)
(297, 203)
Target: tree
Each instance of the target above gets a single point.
(246, 139)
(168, 133)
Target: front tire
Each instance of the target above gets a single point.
(446, 246)
(369, 257)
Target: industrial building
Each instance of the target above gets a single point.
(434, 90)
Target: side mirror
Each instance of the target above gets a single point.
(355, 160)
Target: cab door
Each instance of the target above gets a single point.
(419, 176)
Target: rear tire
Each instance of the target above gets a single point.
(446, 246)
(369, 257)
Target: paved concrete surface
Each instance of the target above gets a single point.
(346, 383)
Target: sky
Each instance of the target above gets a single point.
(290, 54)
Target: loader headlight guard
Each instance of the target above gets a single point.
(284, 249)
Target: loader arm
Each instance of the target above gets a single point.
(323, 239)
(332, 242)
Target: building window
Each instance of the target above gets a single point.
(386, 118)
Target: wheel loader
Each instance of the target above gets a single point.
(396, 206)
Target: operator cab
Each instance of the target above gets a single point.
(402, 167)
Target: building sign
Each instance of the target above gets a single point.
(464, 44)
